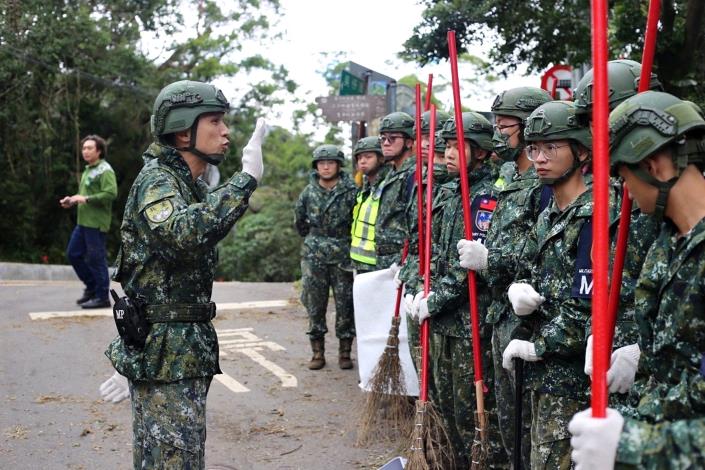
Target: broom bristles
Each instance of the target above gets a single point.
(387, 411)
(480, 449)
(430, 447)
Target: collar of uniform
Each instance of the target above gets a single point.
(170, 157)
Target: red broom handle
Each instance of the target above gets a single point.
(465, 194)
(600, 216)
(427, 262)
(625, 212)
(419, 180)
(404, 254)
(429, 91)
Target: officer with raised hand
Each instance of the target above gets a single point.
(657, 144)
(166, 266)
(323, 215)
(370, 162)
(521, 198)
(396, 136)
(552, 294)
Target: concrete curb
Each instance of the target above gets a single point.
(38, 272)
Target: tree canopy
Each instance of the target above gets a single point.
(540, 33)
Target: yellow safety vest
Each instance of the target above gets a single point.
(362, 247)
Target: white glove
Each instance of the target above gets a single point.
(524, 298)
(473, 255)
(623, 366)
(518, 348)
(588, 358)
(595, 440)
(252, 153)
(115, 389)
(409, 305)
(421, 306)
(395, 269)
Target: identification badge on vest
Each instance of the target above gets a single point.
(482, 209)
(582, 280)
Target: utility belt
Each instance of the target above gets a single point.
(330, 232)
(441, 267)
(133, 317)
(165, 313)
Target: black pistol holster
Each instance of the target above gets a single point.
(130, 320)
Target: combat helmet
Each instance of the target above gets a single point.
(178, 107)
(398, 122)
(648, 122)
(519, 103)
(556, 120)
(623, 76)
(476, 128)
(327, 152)
(441, 118)
(367, 144)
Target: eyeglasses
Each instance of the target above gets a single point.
(548, 150)
(389, 138)
(501, 128)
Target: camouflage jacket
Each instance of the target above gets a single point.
(168, 256)
(324, 218)
(670, 306)
(448, 306)
(556, 261)
(410, 274)
(390, 229)
(519, 204)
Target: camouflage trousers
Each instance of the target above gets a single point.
(169, 424)
(550, 439)
(317, 279)
(453, 377)
(505, 391)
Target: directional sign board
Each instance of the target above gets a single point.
(352, 108)
(350, 84)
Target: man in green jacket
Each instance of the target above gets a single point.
(86, 248)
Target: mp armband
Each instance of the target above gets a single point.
(130, 320)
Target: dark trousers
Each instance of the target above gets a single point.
(86, 253)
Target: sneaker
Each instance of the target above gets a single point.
(95, 302)
(87, 295)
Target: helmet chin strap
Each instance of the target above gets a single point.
(577, 164)
(212, 158)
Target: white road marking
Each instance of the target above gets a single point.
(286, 378)
(230, 383)
(107, 312)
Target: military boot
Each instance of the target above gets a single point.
(344, 360)
(318, 360)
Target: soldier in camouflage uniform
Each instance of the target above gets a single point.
(167, 260)
(370, 161)
(447, 304)
(658, 147)
(397, 139)
(552, 294)
(521, 198)
(323, 215)
(623, 76)
(409, 273)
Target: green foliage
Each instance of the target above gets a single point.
(75, 67)
(265, 246)
(545, 32)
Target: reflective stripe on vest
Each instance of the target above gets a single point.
(362, 247)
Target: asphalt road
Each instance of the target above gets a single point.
(267, 411)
